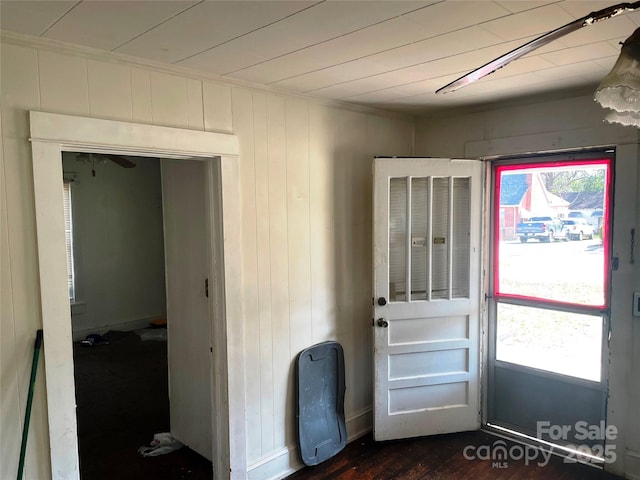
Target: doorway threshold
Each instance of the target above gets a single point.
(569, 453)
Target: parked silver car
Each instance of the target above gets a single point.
(577, 229)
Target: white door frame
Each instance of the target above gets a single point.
(625, 141)
(51, 134)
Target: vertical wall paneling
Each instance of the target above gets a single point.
(278, 239)
(437, 137)
(194, 97)
(64, 84)
(169, 100)
(216, 98)
(243, 127)
(321, 207)
(297, 137)
(297, 187)
(109, 90)
(141, 96)
(295, 282)
(263, 247)
(347, 150)
(18, 194)
(361, 255)
(389, 136)
(624, 386)
(9, 393)
(20, 82)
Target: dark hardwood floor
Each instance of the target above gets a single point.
(442, 457)
(123, 400)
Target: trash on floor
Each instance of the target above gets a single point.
(158, 322)
(152, 334)
(161, 444)
(94, 339)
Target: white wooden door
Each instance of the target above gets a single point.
(427, 283)
(185, 202)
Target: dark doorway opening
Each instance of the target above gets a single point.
(122, 397)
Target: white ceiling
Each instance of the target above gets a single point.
(388, 54)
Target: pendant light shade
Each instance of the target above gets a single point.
(619, 91)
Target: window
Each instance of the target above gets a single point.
(68, 231)
(550, 286)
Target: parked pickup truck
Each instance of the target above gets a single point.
(544, 229)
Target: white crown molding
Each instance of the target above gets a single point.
(105, 56)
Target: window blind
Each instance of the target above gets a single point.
(68, 231)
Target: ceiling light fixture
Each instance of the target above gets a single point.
(497, 63)
(619, 91)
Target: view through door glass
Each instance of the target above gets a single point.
(549, 300)
(550, 272)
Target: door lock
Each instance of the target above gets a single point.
(383, 323)
(382, 301)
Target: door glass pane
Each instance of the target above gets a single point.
(551, 340)
(397, 239)
(440, 239)
(437, 250)
(419, 234)
(551, 234)
(461, 237)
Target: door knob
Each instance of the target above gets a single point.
(383, 323)
(382, 301)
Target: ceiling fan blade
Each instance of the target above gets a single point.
(542, 40)
(122, 161)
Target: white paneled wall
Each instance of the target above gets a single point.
(141, 111)
(306, 196)
(20, 306)
(64, 85)
(306, 229)
(104, 100)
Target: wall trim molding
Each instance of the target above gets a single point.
(550, 142)
(360, 423)
(51, 134)
(286, 461)
(119, 58)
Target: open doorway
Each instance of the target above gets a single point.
(550, 301)
(52, 134)
(114, 219)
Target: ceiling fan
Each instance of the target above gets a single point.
(103, 157)
(620, 96)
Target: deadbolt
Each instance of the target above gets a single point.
(383, 323)
(382, 301)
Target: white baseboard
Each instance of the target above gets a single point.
(286, 461)
(276, 466)
(121, 326)
(359, 424)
